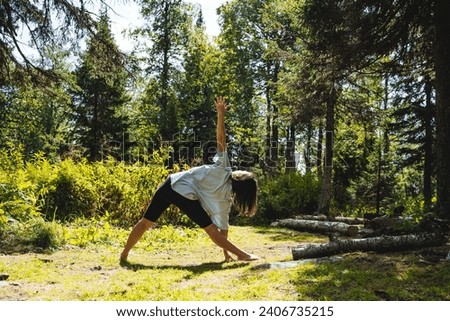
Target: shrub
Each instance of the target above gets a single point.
(288, 194)
(70, 193)
(28, 235)
(42, 234)
(67, 190)
(18, 194)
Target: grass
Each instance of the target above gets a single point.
(182, 264)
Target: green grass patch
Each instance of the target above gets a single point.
(368, 276)
(182, 264)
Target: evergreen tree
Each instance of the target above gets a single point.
(199, 86)
(37, 18)
(99, 103)
(34, 117)
(414, 123)
(356, 33)
(167, 28)
(252, 34)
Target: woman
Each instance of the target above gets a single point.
(205, 194)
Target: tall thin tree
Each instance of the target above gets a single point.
(98, 103)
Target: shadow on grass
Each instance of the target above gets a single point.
(195, 269)
(364, 276)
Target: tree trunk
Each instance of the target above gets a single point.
(268, 146)
(319, 153)
(307, 151)
(325, 195)
(377, 244)
(318, 226)
(428, 147)
(342, 219)
(378, 193)
(442, 80)
(290, 150)
(275, 121)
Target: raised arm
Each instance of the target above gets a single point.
(221, 107)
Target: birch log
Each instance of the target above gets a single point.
(342, 219)
(318, 226)
(377, 244)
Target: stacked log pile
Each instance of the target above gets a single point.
(343, 233)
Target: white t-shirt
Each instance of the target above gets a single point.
(211, 185)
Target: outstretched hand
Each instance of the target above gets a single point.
(220, 104)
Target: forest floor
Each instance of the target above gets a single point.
(180, 264)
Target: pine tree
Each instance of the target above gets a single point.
(47, 23)
(167, 30)
(358, 32)
(197, 92)
(98, 104)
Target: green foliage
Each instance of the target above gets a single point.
(99, 100)
(18, 195)
(68, 190)
(90, 190)
(83, 232)
(408, 193)
(34, 234)
(288, 194)
(42, 234)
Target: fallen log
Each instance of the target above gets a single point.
(376, 244)
(342, 219)
(292, 264)
(318, 226)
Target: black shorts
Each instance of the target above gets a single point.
(166, 196)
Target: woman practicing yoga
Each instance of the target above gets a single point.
(205, 194)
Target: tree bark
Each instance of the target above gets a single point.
(319, 226)
(290, 150)
(342, 219)
(442, 80)
(377, 244)
(319, 153)
(307, 151)
(428, 147)
(325, 195)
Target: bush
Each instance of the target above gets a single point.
(67, 190)
(18, 194)
(288, 194)
(71, 193)
(42, 234)
(27, 236)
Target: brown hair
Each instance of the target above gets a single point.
(245, 188)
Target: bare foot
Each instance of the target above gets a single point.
(123, 256)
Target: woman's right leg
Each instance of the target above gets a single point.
(220, 240)
(139, 229)
(157, 206)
